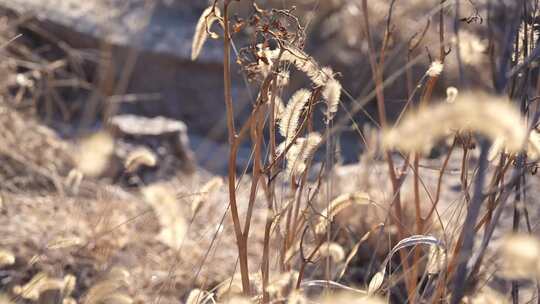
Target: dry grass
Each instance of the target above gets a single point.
(296, 226)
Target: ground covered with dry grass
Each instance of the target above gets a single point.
(440, 208)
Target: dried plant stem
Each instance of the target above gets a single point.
(377, 71)
(234, 145)
(265, 263)
(468, 230)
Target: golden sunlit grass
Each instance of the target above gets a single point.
(440, 208)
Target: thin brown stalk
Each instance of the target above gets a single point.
(234, 145)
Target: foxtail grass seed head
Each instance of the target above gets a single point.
(436, 259)
(532, 151)
(339, 204)
(282, 79)
(94, 153)
(493, 117)
(302, 150)
(435, 69)
(283, 283)
(486, 295)
(307, 65)
(332, 250)
(533, 145)
(279, 108)
(33, 288)
(291, 115)
(197, 296)
(169, 213)
(138, 158)
(212, 185)
(109, 290)
(472, 48)
(332, 94)
(7, 258)
(73, 180)
(70, 282)
(520, 256)
(202, 30)
(64, 242)
(4, 299)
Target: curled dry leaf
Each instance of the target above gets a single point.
(202, 30)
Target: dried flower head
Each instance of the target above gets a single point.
(490, 116)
